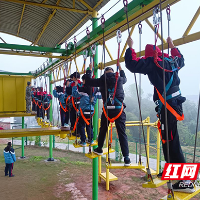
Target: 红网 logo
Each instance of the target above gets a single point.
(180, 171)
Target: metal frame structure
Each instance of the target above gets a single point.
(139, 10)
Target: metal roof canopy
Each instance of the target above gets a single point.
(48, 22)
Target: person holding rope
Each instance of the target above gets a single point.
(46, 98)
(58, 93)
(150, 65)
(114, 112)
(75, 101)
(88, 98)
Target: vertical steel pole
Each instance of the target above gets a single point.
(51, 119)
(95, 118)
(22, 156)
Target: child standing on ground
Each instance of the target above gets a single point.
(10, 158)
(88, 98)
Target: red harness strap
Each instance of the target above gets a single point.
(66, 102)
(47, 107)
(64, 109)
(112, 119)
(74, 104)
(40, 106)
(34, 101)
(84, 118)
(178, 117)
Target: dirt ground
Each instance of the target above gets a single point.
(70, 177)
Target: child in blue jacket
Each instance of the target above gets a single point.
(88, 98)
(58, 93)
(10, 158)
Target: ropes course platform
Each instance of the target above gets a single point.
(16, 114)
(182, 195)
(76, 145)
(157, 182)
(121, 166)
(94, 155)
(31, 132)
(111, 176)
(153, 172)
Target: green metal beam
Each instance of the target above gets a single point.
(31, 48)
(133, 7)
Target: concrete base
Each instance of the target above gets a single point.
(50, 159)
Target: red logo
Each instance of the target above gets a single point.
(180, 171)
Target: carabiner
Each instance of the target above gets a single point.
(102, 22)
(119, 36)
(168, 12)
(140, 27)
(75, 40)
(66, 45)
(85, 53)
(88, 33)
(93, 49)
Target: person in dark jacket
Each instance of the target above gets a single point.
(150, 65)
(46, 98)
(10, 158)
(107, 84)
(75, 101)
(39, 95)
(88, 98)
(58, 93)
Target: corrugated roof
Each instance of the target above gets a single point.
(35, 17)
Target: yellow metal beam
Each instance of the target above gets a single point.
(99, 2)
(73, 3)
(143, 13)
(30, 54)
(44, 1)
(190, 38)
(31, 132)
(46, 24)
(73, 29)
(86, 5)
(125, 46)
(21, 19)
(108, 52)
(192, 22)
(76, 65)
(152, 27)
(50, 6)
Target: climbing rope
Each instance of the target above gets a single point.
(140, 88)
(169, 184)
(140, 113)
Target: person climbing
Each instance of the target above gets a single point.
(10, 158)
(150, 65)
(107, 84)
(58, 93)
(88, 98)
(38, 99)
(76, 101)
(46, 98)
(28, 97)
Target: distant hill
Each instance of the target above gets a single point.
(193, 98)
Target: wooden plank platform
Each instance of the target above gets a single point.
(16, 114)
(112, 177)
(31, 132)
(87, 144)
(153, 172)
(184, 196)
(157, 182)
(121, 166)
(94, 155)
